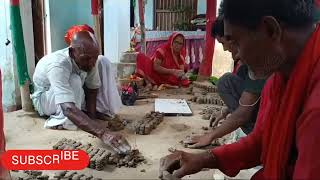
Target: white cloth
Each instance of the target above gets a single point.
(54, 71)
(50, 108)
(57, 79)
(108, 98)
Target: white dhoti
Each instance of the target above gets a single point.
(108, 98)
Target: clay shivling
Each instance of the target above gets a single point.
(149, 122)
(59, 175)
(100, 157)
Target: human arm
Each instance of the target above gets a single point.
(65, 98)
(162, 70)
(231, 158)
(238, 118)
(183, 68)
(81, 120)
(181, 163)
(245, 153)
(91, 101)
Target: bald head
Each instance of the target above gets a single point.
(84, 49)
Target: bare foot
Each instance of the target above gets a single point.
(102, 116)
(147, 88)
(155, 87)
(59, 127)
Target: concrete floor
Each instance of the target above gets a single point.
(25, 131)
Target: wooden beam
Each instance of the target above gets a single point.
(38, 29)
(142, 26)
(206, 65)
(96, 19)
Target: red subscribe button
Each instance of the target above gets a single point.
(45, 159)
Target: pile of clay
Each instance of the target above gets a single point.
(202, 96)
(100, 157)
(208, 87)
(31, 175)
(115, 124)
(132, 159)
(210, 110)
(213, 99)
(149, 122)
(73, 175)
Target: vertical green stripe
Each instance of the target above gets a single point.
(316, 14)
(18, 44)
(134, 3)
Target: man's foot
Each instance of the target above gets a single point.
(103, 117)
(149, 86)
(155, 88)
(66, 125)
(59, 127)
(107, 117)
(214, 121)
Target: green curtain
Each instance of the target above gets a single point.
(18, 44)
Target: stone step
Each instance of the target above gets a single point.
(128, 57)
(124, 70)
(126, 81)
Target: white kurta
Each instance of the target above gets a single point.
(58, 79)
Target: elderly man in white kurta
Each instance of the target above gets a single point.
(74, 79)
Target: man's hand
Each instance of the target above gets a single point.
(170, 163)
(117, 142)
(178, 73)
(182, 163)
(223, 115)
(196, 142)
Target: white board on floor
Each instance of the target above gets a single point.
(172, 106)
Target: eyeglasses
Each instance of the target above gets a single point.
(178, 43)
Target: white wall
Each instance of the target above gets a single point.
(27, 24)
(11, 95)
(62, 15)
(116, 28)
(148, 15)
(222, 61)
(202, 7)
(218, 5)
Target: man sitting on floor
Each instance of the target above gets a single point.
(240, 92)
(73, 79)
(279, 40)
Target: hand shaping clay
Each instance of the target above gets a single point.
(99, 157)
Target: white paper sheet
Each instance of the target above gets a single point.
(172, 106)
